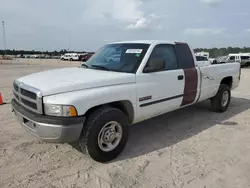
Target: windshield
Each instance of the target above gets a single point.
(124, 57)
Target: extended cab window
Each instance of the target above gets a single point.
(184, 56)
(167, 53)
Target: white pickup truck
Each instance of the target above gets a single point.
(94, 104)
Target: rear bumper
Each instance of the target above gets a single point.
(48, 128)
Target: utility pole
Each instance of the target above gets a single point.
(70, 41)
(4, 39)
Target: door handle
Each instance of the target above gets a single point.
(180, 77)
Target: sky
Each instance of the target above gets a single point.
(89, 24)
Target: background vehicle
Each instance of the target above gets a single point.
(204, 54)
(85, 57)
(246, 58)
(207, 55)
(70, 56)
(95, 104)
(224, 59)
(243, 59)
(202, 61)
(35, 56)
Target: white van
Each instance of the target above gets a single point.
(70, 57)
(242, 58)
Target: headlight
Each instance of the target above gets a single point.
(60, 110)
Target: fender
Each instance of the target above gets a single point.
(83, 100)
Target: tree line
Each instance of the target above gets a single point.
(32, 52)
(214, 52)
(217, 52)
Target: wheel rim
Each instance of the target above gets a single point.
(110, 136)
(225, 98)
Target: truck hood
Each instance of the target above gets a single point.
(71, 79)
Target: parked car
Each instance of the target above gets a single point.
(204, 54)
(20, 56)
(94, 104)
(86, 57)
(70, 57)
(202, 61)
(26, 56)
(47, 56)
(222, 59)
(35, 56)
(244, 60)
(55, 57)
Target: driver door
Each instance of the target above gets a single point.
(160, 92)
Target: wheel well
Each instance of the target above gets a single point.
(125, 106)
(227, 81)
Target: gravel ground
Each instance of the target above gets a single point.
(191, 147)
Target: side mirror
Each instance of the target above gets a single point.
(154, 65)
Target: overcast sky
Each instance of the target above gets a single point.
(88, 24)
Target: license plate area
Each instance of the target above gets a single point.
(29, 124)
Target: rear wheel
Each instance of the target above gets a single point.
(105, 134)
(221, 100)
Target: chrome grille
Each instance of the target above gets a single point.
(16, 96)
(15, 86)
(29, 104)
(27, 96)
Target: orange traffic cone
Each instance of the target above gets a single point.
(1, 99)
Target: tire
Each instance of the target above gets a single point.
(217, 102)
(92, 131)
(71, 59)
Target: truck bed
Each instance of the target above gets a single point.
(212, 75)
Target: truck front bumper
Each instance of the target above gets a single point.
(48, 128)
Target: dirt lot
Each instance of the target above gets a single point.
(191, 147)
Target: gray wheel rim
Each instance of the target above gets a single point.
(110, 136)
(225, 98)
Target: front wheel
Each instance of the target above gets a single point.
(105, 134)
(221, 100)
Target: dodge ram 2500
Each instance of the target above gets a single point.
(94, 104)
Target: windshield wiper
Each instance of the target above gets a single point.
(101, 67)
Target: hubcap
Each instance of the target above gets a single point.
(110, 136)
(225, 98)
